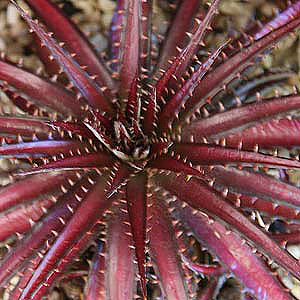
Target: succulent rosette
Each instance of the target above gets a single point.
(136, 156)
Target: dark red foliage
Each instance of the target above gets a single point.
(135, 156)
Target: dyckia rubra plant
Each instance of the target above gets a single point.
(137, 156)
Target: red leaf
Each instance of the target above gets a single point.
(136, 206)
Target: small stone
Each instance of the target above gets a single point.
(99, 41)
(2, 45)
(55, 295)
(294, 250)
(12, 15)
(288, 282)
(295, 291)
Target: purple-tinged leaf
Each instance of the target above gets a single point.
(115, 35)
(292, 238)
(46, 230)
(22, 191)
(246, 90)
(201, 197)
(72, 127)
(136, 205)
(40, 90)
(129, 60)
(206, 270)
(283, 133)
(255, 184)
(166, 162)
(183, 59)
(90, 160)
(184, 248)
(176, 37)
(23, 103)
(160, 147)
(235, 255)
(173, 106)
(100, 133)
(25, 127)
(197, 38)
(83, 220)
(163, 81)
(52, 67)
(41, 148)
(234, 120)
(203, 154)
(104, 121)
(227, 71)
(164, 250)
(26, 273)
(146, 30)
(289, 14)
(133, 106)
(89, 89)
(82, 244)
(150, 113)
(119, 175)
(18, 220)
(95, 288)
(119, 259)
(268, 207)
(74, 40)
(125, 128)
